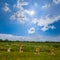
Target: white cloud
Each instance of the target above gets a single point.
(34, 21)
(56, 1)
(12, 37)
(45, 22)
(20, 14)
(46, 6)
(20, 4)
(6, 8)
(52, 27)
(29, 38)
(45, 28)
(31, 30)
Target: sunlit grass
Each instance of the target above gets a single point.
(29, 51)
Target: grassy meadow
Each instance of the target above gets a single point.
(29, 51)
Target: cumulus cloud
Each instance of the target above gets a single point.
(20, 14)
(6, 8)
(34, 21)
(12, 37)
(45, 28)
(45, 22)
(31, 30)
(56, 1)
(29, 38)
(20, 4)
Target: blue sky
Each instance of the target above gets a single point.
(39, 19)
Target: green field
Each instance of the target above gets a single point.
(29, 51)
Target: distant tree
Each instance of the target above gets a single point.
(47, 41)
(6, 40)
(1, 40)
(17, 40)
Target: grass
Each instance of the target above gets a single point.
(29, 48)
